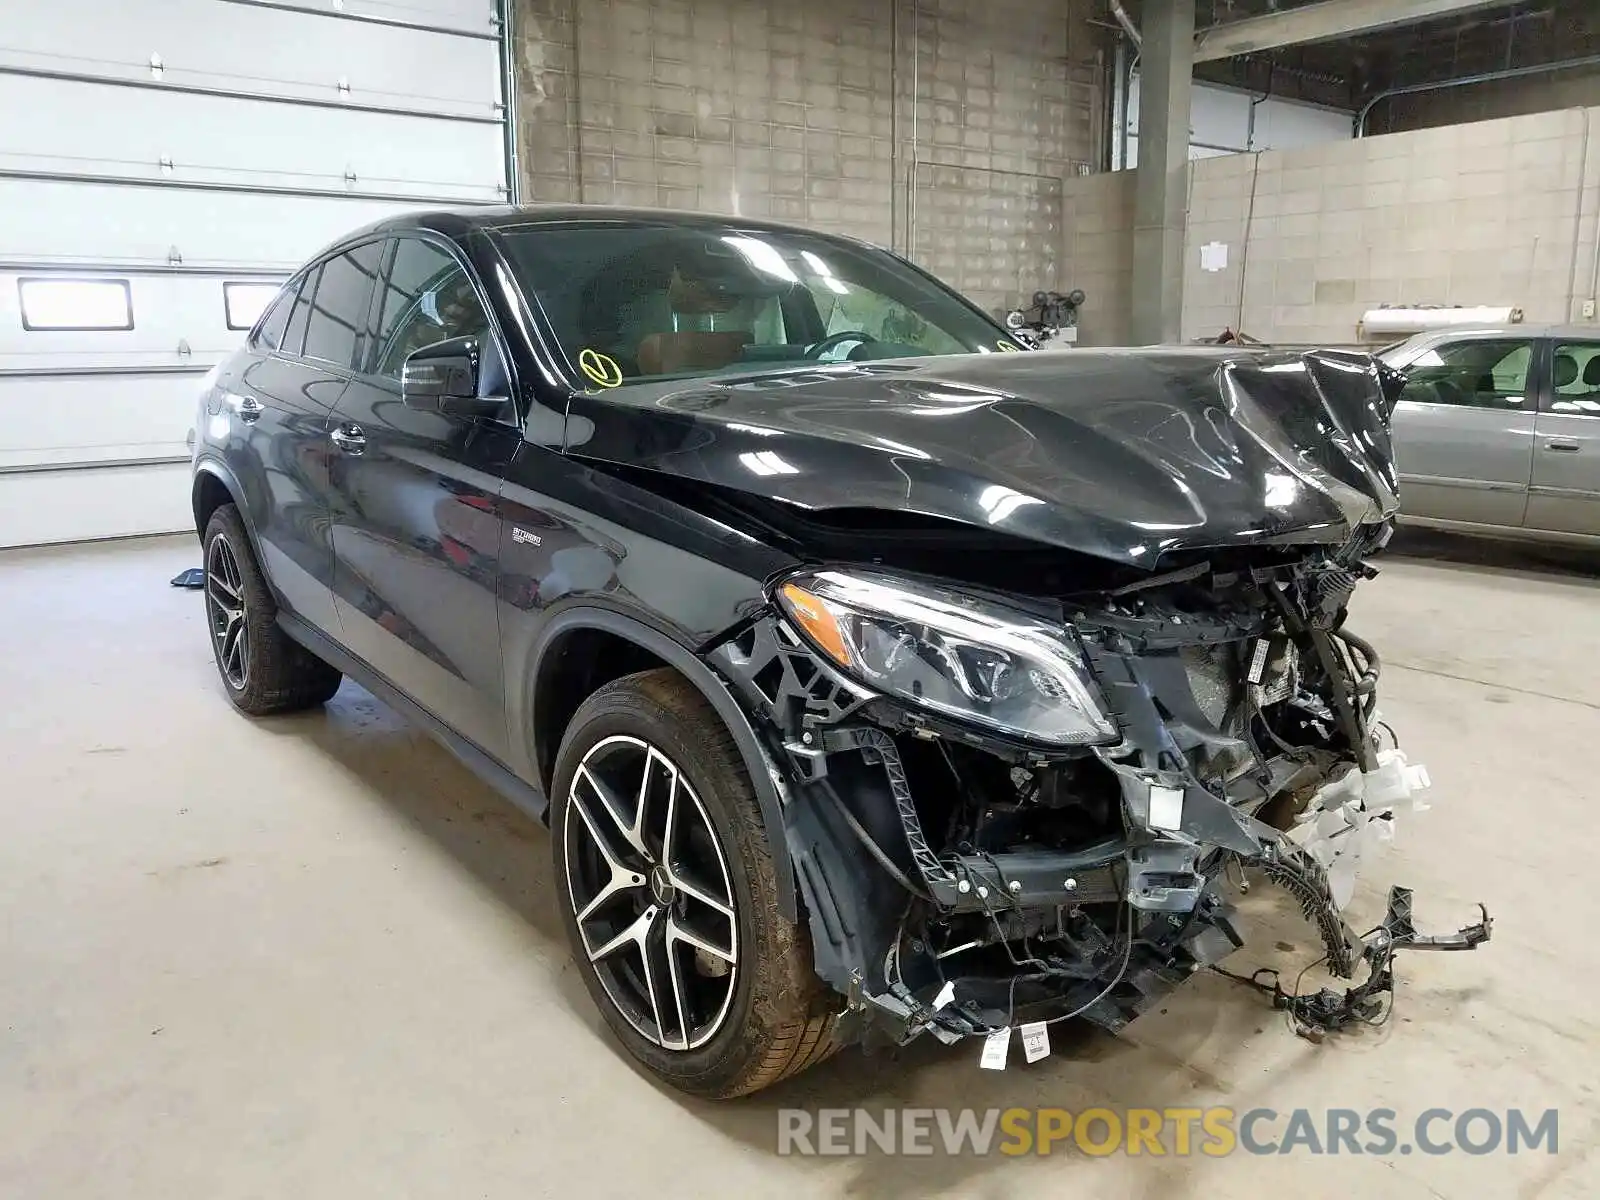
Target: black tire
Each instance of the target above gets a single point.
(780, 1017)
(269, 672)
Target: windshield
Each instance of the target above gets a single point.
(632, 302)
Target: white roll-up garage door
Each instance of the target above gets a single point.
(165, 164)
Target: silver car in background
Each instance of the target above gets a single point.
(1498, 431)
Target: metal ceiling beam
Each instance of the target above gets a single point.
(1322, 22)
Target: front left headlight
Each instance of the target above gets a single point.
(956, 654)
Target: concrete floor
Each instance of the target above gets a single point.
(315, 957)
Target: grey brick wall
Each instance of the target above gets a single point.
(943, 128)
(1099, 254)
(1494, 212)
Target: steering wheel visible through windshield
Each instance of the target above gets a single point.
(631, 301)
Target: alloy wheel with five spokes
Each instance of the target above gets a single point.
(226, 613)
(651, 893)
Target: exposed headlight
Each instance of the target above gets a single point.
(953, 653)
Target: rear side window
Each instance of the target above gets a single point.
(1576, 379)
(338, 311)
(1475, 373)
(269, 334)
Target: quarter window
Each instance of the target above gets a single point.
(1577, 379)
(1475, 373)
(427, 298)
(294, 336)
(269, 334)
(338, 312)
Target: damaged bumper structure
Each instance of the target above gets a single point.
(1021, 803)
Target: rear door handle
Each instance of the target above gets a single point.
(349, 438)
(1562, 445)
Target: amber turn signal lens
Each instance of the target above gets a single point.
(819, 624)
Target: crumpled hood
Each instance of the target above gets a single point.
(1123, 454)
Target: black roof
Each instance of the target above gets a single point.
(458, 222)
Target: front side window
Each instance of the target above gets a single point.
(1473, 373)
(635, 302)
(1576, 379)
(338, 311)
(427, 298)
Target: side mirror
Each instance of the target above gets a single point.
(444, 378)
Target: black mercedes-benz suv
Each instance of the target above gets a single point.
(875, 674)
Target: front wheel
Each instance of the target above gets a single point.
(670, 898)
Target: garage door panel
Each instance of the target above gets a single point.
(49, 220)
(177, 320)
(467, 16)
(82, 419)
(261, 50)
(177, 146)
(106, 130)
(77, 505)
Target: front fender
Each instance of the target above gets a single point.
(764, 778)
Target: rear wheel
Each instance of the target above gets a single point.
(670, 898)
(264, 670)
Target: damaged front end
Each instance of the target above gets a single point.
(1015, 769)
(1000, 815)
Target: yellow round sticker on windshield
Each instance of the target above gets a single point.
(1007, 347)
(601, 368)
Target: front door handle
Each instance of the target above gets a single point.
(250, 409)
(349, 438)
(1562, 445)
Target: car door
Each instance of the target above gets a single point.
(279, 405)
(415, 501)
(1565, 492)
(1463, 431)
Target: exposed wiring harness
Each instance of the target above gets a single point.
(870, 845)
(1046, 971)
(1313, 1015)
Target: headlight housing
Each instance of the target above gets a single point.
(953, 653)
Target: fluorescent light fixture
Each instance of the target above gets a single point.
(75, 304)
(245, 302)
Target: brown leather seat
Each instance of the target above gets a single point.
(672, 353)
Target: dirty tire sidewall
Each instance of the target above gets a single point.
(781, 1014)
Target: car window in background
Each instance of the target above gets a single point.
(427, 298)
(1474, 373)
(1577, 378)
(269, 333)
(339, 306)
(632, 302)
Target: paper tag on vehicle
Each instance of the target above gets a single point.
(946, 994)
(1166, 807)
(995, 1047)
(1035, 1040)
(1258, 661)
